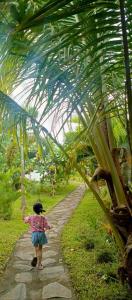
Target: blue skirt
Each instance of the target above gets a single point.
(39, 238)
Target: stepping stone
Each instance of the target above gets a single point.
(35, 295)
(56, 290)
(51, 272)
(23, 255)
(24, 277)
(56, 230)
(46, 247)
(53, 235)
(26, 240)
(22, 267)
(49, 253)
(49, 261)
(61, 222)
(26, 235)
(24, 248)
(51, 242)
(17, 293)
(25, 245)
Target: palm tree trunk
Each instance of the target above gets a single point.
(127, 67)
(23, 198)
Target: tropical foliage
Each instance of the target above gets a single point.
(8, 195)
(75, 56)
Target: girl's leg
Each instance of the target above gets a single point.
(39, 256)
(35, 258)
(36, 251)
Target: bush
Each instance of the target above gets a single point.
(32, 187)
(16, 178)
(6, 199)
(7, 196)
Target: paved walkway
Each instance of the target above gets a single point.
(21, 281)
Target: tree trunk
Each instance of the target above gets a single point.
(127, 68)
(23, 198)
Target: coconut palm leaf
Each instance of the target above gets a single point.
(72, 53)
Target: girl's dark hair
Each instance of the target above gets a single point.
(38, 208)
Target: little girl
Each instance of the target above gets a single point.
(38, 225)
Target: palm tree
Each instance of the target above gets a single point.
(75, 56)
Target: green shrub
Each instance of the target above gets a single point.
(6, 200)
(7, 196)
(32, 187)
(16, 178)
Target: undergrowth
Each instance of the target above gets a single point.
(91, 254)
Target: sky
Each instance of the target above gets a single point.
(20, 96)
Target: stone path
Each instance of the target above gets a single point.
(22, 282)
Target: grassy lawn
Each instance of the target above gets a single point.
(11, 230)
(92, 279)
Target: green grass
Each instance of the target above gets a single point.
(11, 230)
(91, 280)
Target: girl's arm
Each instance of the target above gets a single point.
(46, 224)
